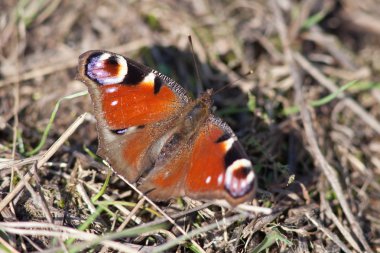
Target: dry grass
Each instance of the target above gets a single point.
(312, 133)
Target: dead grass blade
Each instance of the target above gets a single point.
(329, 233)
(352, 104)
(44, 158)
(51, 230)
(329, 171)
(67, 63)
(199, 248)
(189, 235)
(329, 212)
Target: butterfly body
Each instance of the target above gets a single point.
(154, 134)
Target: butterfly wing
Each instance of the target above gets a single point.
(213, 166)
(147, 125)
(133, 106)
(220, 169)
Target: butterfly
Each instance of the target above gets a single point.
(153, 134)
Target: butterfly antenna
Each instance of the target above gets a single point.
(228, 85)
(195, 65)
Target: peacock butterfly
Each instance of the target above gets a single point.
(153, 134)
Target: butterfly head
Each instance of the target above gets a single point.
(206, 98)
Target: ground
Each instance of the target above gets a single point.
(308, 117)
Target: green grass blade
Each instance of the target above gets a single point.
(322, 101)
(251, 104)
(91, 154)
(232, 110)
(104, 187)
(364, 86)
(313, 20)
(51, 120)
(270, 239)
(333, 95)
(129, 204)
(181, 239)
(87, 223)
(80, 247)
(20, 142)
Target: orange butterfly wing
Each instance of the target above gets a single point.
(214, 166)
(219, 168)
(151, 131)
(132, 105)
